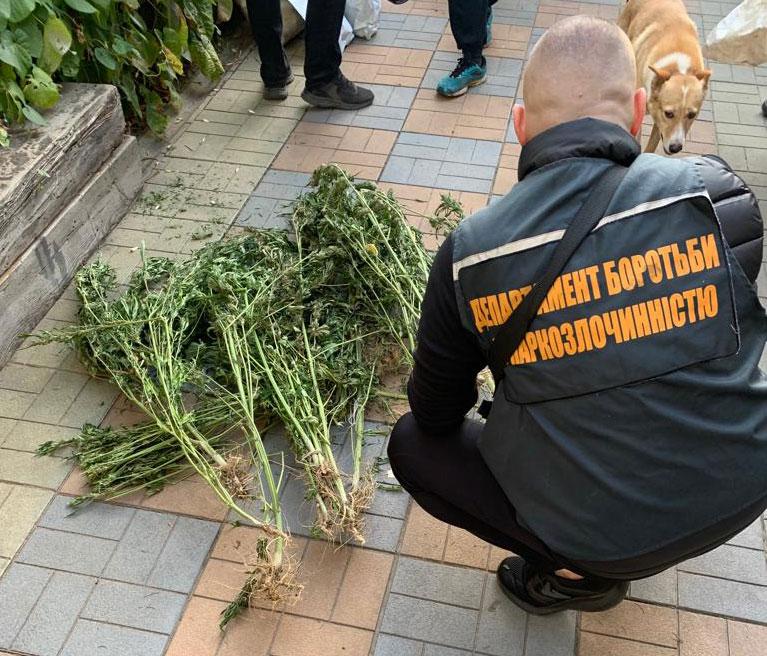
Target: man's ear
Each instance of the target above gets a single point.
(661, 76)
(520, 123)
(640, 106)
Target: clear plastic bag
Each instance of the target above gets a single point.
(741, 36)
(363, 16)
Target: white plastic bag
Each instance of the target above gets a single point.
(741, 36)
(346, 35)
(364, 16)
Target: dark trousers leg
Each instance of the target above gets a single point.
(448, 478)
(323, 53)
(266, 25)
(468, 22)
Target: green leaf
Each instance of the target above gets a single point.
(171, 39)
(4, 140)
(5, 11)
(102, 4)
(33, 116)
(121, 47)
(156, 119)
(105, 59)
(15, 56)
(20, 9)
(56, 43)
(40, 91)
(205, 58)
(128, 87)
(224, 10)
(131, 4)
(82, 6)
(70, 65)
(29, 36)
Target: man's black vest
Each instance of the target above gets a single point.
(634, 414)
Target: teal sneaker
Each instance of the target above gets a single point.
(465, 75)
(489, 28)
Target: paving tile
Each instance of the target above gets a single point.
(29, 469)
(660, 589)
(746, 639)
(23, 378)
(388, 111)
(81, 554)
(322, 571)
(362, 591)
(431, 621)
(591, 644)
(722, 597)
(384, 65)
(390, 503)
(136, 606)
(382, 533)
(91, 404)
(425, 536)
(389, 645)
(19, 509)
(135, 556)
(551, 636)
(362, 151)
(14, 403)
(508, 41)
(427, 580)
(443, 162)
(20, 588)
(298, 636)
(472, 116)
(503, 74)
(51, 405)
(54, 614)
(184, 554)
(506, 177)
(221, 580)
(440, 650)
(191, 496)
(501, 624)
(251, 633)
(99, 520)
(421, 8)
(730, 562)
(97, 639)
(552, 11)
(27, 435)
(635, 621)
(198, 633)
(409, 31)
(702, 635)
(4, 562)
(515, 12)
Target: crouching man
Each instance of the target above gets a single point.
(611, 294)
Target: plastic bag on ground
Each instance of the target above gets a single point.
(363, 16)
(741, 36)
(347, 34)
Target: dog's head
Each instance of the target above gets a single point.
(674, 102)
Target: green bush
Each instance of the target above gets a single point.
(141, 47)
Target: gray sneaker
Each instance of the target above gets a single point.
(280, 91)
(339, 94)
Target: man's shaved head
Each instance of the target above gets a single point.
(582, 66)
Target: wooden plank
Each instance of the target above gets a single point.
(35, 280)
(45, 167)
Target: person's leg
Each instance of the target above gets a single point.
(468, 20)
(448, 478)
(266, 24)
(322, 61)
(325, 84)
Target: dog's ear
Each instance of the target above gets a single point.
(703, 76)
(661, 76)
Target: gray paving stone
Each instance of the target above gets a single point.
(54, 615)
(70, 552)
(430, 621)
(184, 554)
(730, 562)
(721, 597)
(503, 74)
(390, 503)
(138, 550)
(97, 639)
(20, 588)
(439, 650)
(267, 205)
(459, 586)
(389, 645)
(551, 636)
(409, 31)
(100, 520)
(501, 624)
(382, 533)
(136, 606)
(388, 111)
(515, 12)
(298, 513)
(660, 588)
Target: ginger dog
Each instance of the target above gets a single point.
(669, 67)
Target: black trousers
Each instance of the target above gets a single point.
(449, 479)
(468, 22)
(323, 53)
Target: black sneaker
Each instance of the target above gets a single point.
(278, 91)
(543, 594)
(339, 94)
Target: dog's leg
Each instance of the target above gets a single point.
(652, 144)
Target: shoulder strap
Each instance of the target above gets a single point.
(511, 333)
